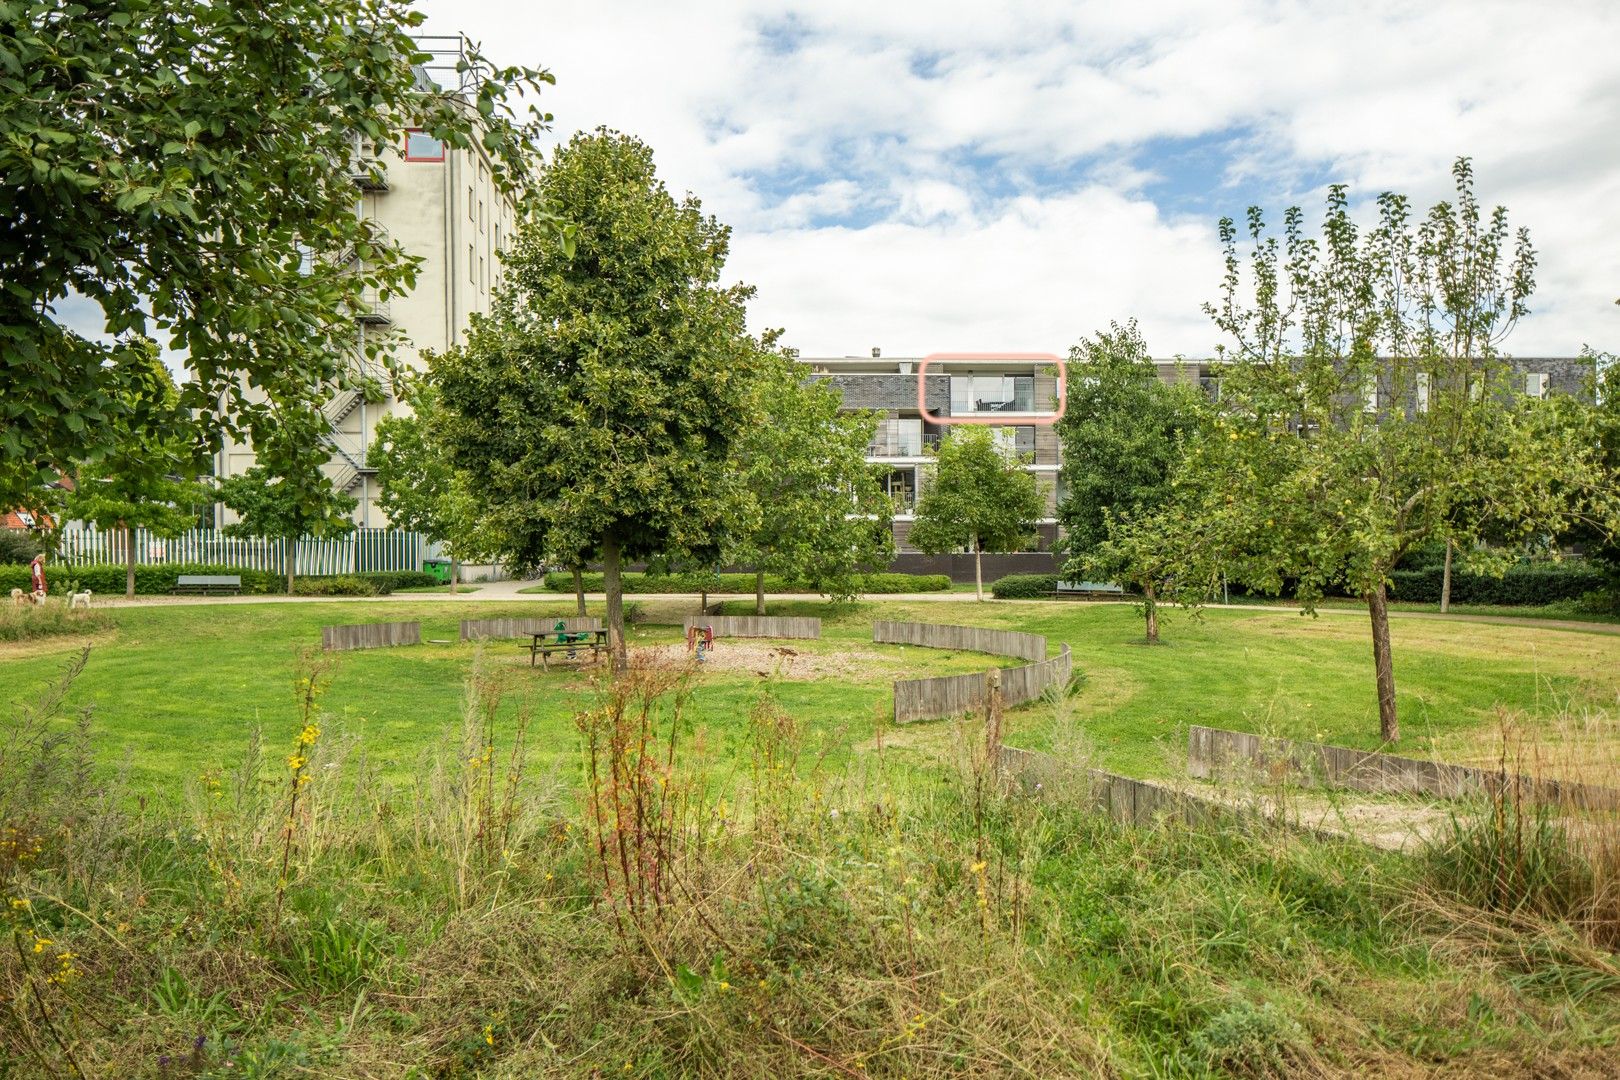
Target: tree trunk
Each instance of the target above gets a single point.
(759, 592)
(1445, 583)
(1150, 609)
(129, 561)
(615, 604)
(978, 570)
(455, 572)
(288, 550)
(579, 593)
(1389, 726)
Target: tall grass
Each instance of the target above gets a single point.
(690, 907)
(51, 619)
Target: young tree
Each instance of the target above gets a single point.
(421, 491)
(977, 497)
(1123, 430)
(1368, 409)
(144, 479)
(600, 402)
(190, 170)
(826, 518)
(286, 495)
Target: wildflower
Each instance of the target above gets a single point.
(724, 985)
(296, 762)
(489, 1034)
(41, 943)
(20, 903)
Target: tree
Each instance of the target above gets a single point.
(286, 495)
(977, 497)
(1123, 430)
(1368, 410)
(827, 516)
(190, 171)
(1160, 551)
(145, 480)
(421, 491)
(600, 401)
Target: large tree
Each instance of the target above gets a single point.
(287, 495)
(977, 497)
(826, 518)
(188, 169)
(1123, 432)
(147, 478)
(600, 401)
(1368, 409)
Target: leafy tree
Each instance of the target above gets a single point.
(1368, 409)
(143, 481)
(1122, 429)
(977, 497)
(286, 495)
(826, 517)
(1156, 548)
(421, 491)
(600, 402)
(189, 169)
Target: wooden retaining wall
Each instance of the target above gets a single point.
(962, 638)
(1212, 751)
(512, 628)
(379, 635)
(766, 626)
(1135, 802)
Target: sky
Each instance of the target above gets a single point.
(948, 176)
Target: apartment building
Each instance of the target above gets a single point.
(442, 206)
(1008, 390)
(985, 389)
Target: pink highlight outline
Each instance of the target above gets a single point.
(994, 420)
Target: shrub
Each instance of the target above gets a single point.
(1024, 587)
(107, 579)
(340, 585)
(1523, 584)
(741, 583)
(17, 547)
(391, 581)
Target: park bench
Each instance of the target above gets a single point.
(208, 584)
(549, 643)
(1089, 588)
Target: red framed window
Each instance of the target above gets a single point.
(420, 146)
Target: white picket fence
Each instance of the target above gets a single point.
(359, 552)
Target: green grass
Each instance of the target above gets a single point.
(181, 687)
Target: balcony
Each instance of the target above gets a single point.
(366, 169)
(892, 443)
(374, 310)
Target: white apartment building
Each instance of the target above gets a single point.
(442, 206)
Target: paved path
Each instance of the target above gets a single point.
(511, 591)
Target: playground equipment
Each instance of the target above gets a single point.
(700, 639)
(570, 638)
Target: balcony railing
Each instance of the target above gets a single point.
(896, 444)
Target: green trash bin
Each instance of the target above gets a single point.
(438, 568)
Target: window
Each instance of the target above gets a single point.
(992, 393)
(472, 266)
(1423, 391)
(1015, 440)
(480, 215)
(1535, 384)
(483, 275)
(1369, 394)
(471, 209)
(420, 146)
(897, 437)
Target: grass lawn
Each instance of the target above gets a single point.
(181, 687)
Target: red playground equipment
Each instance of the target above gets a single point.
(700, 639)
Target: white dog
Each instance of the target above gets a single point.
(79, 599)
(19, 598)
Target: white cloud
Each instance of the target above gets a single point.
(992, 162)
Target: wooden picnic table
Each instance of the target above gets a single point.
(568, 642)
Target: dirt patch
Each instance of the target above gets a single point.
(779, 661)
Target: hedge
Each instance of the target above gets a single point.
(1525, 584)
(107, 579)
(741, 583)
(1024, 587)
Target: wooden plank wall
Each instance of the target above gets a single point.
(513, 628)
(764, 626)
(381, 635)
(1211, 751)
(963, 638)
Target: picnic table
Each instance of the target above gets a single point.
(568, 642)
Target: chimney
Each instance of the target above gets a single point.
(876, 352)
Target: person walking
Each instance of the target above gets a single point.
(36, 570)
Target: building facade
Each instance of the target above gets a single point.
(442, 206)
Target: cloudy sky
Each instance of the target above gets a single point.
(952, 176)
